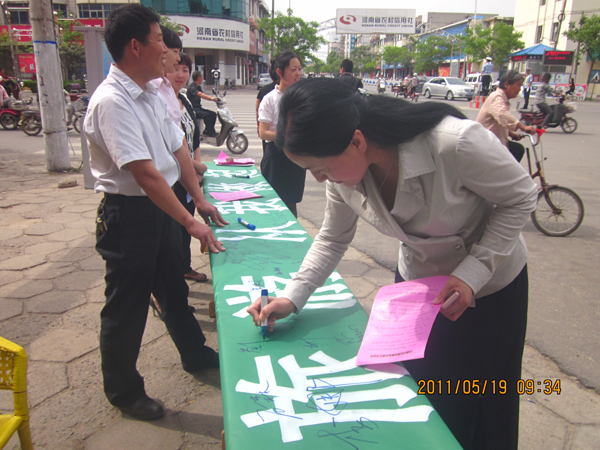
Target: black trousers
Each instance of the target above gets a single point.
(142, 250)
(485, 84)
(283, 175)
(209, 117)
(526, 93)
(545, 108)
(186, 239)
(485, 343)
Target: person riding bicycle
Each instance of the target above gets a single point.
(414, 83)
(540, 98)
(571, 87)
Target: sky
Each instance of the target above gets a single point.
(322, 10)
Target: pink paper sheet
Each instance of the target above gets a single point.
(400, 321)
(233, 196)
(222, 161)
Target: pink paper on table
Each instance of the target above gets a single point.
(222, 161)
(400, 321)
(233, 196)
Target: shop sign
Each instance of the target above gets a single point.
(203, 32)
(252, 43)
(26, 63)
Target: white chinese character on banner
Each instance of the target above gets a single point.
(326, 395)
(245, 206)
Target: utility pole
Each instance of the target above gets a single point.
(560, 18)
(50, 87)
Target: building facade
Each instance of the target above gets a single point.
(217, 33)
(544, 21)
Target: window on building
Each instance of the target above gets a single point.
(60, 8)
(538, 35)
(542, 2)
(555, 26)
(19, 17)
(95, 10)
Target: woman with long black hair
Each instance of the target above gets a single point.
(284, 176)
(456, 200)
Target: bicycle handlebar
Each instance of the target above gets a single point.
(538, 135)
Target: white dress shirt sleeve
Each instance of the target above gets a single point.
(337, 232)
(120, 131)
(487, 169)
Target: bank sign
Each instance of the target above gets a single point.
(368, 21)
(202, 32)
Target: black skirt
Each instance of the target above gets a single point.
(282, 174)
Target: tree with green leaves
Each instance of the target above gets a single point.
(587, 35)
(431, 52)
(166, 22)
(398, 55)
(364, 60)
(498, 42)
(70, 48)
(285, 32)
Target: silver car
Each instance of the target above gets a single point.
(263, 80)
(448, 87)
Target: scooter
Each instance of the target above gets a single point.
(414, 95)
(568, 124)
(381, 87)
(11, 114)
(230, 84)
(236, 140)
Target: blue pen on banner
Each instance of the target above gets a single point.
(246, 224)
(240, 176)
(264, 301)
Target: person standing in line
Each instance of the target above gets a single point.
(169, 94)
(447, 190)
(136, 156)
(346, 67)
(527, 87)
(486, 76)
(195, 95)
(261, 94)
(495, 114)
(284, 176)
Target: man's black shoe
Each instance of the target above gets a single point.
(210, 360)
(144, 408)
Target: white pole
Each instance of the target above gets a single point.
(51, 97)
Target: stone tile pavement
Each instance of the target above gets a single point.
(51, 294)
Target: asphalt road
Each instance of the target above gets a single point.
(563, 312)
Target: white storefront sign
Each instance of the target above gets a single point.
(368, 21)
(203, 32)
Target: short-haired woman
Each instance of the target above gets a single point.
(456, 201)
(495, 114)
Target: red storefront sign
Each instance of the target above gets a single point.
(26, 63)
(21, 32)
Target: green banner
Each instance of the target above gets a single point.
(300, 388)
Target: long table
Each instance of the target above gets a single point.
(300, 388)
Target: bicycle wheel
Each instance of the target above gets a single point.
(569, 125)
(559, 212)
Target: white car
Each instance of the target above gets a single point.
(263, 80)
(448, 87)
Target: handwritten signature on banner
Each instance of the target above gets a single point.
(276, 403)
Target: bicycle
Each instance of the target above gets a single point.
(559, 211)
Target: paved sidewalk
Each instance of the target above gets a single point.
(51, 294)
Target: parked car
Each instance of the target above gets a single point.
(474, 80)
(263, 80)
(448, 87)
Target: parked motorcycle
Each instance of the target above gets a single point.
(236, 140)
(11, 114)
(560, 118)
(230, 84)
